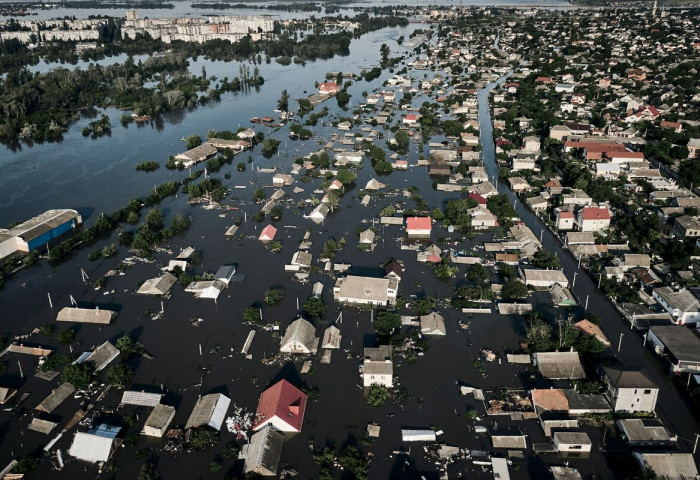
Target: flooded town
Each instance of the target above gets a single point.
(338, 240)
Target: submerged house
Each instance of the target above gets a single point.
(209, 410)
(300, 338)
(261, 455)
(96, 445)
(282, 407)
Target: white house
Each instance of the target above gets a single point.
(377, 368)
(366, 290)
(95, 445)
(681, 304)
(565, 220)
(593, 219)
(544, 278)
(629, 391)
(300, 337)
(418, 227)
(577, 442)
(158, 421)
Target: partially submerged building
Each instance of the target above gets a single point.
(158, 286)
(261, 455)
(209, 410)
(95, 445)
(158, 421)
(377, 367)
(300, 338)
(38, 231)
(282, 407)
(86, 315)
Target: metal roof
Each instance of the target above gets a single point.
(42, 426)
(681, 342)
(556, 365)
(209, 410)
(39, 225)
(91, 448)
(85, 315)
(262, 453)
(143, 399)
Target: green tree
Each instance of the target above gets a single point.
(259, 195)
(119, 376)
(477, 273)
(66, 337)
(283, 102)
(514, 289)
(377, 395)
(154, 219)
(539, 332)
(125, 345)
(252, 315)
(203, 438)
(314, 307)
(386, 322)
(78, 374)
(193, 141)
(423, 306)
(545, 259)
(346, 176)
(273, 296)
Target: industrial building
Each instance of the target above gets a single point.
(38, 231)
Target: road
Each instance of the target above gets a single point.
(671, 407)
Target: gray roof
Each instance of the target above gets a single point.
(378, 354)
(681, 342)
(225, 273)
(160, 417)
(553, 276)
(555, 365)
(360, 289)
(586, 401)
(85, 315)
(143, 399)
(565, 473)
(669, 465)
(432, 324)
(577, 438)
(6, 394)
(209, 410)
(42, 426)
(331, 337)
(56, 398)
(300, 330)
(644, 430)
(39, 225)
(262, 453)
(102, 355)
(621, 377)
(681, 300)
(159, 285)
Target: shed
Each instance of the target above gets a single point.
(142, 399)
(42, 426)
(261, 455)
(508, 437)
(6, 394)
(225, 273)
(418, 435)
(209, 410)
(158, 286)
(572, 442)
(85, 315)
(158, 421)
(500, 468)
(645, 433)
(56, 398)
(559, 365)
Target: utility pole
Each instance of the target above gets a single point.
(573, 284)
(619, 344)
(695, 447)
(586, 307)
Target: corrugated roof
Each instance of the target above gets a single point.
(160, 417)
(301, 331)
(208, 411)
(102, 356)
(262, 453)
(37, 226)
(143, 399)
(42, 426)
(56, 398)
(91, 448)
(556, 365)
(684, 344)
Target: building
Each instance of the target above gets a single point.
(268, 233)
(565, 473)
(593, 219)
(686, 226)
(38, 231)
(209, 410)
(353, 289)
(544, 278)
(418, 227)
(281, 406)
(590, 328)
(572, 442)
(261, 455)
(158, 421)
(95, 445)
(694, 148)
(196, 155)
(299, 338)
(225, 274)
(678, 345)
(511, 438)
(681, 304)
(158, 286)
(377, 367)
(57, 397)
(331, 338)
(559, 365)
(565, 220)
(669, 465)
(645, 433)
(100, 357)
(319, 213)
(85, 315)
(328, 88)
(432, 324)
(629, 391)
(142, 399)
(367, 237)
(210, 289)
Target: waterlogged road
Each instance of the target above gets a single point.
(673, 410)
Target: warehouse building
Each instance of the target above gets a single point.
(38, 231)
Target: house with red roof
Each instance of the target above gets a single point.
(565, 220)
(282, 406)
(268, 233)
(593, 219)
(418, 227)
(478, 198)
(328, 88)
(410, 119)
(675, 126)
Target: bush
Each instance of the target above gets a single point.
(377, 395)
(66, 337)
(273, 296)
(79, 375)
(203, 438)
(314, 307)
